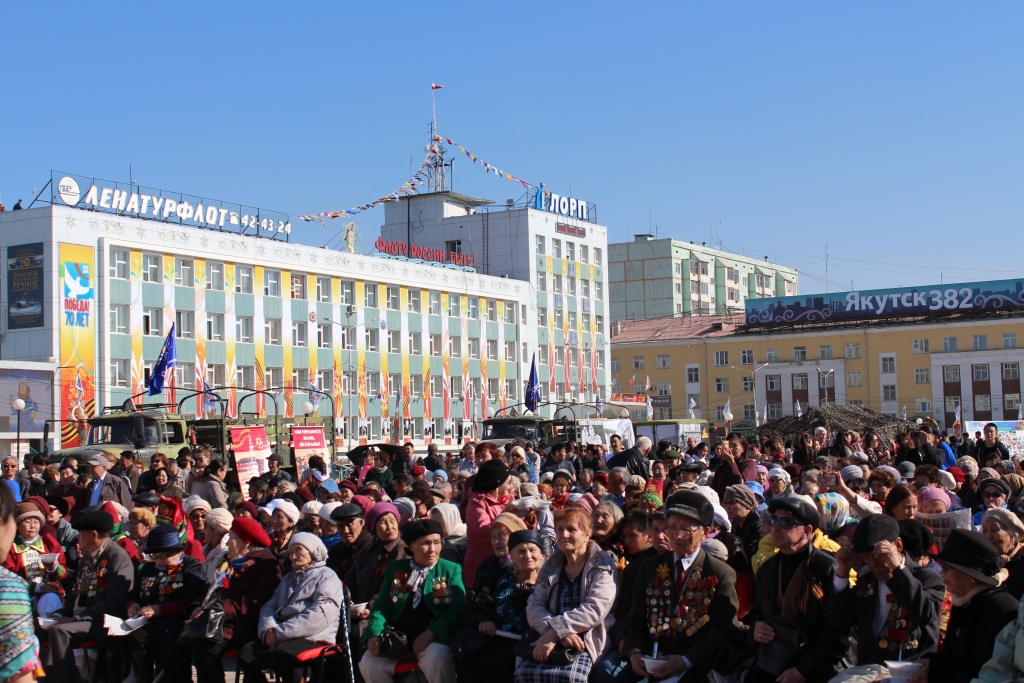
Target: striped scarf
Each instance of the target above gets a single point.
(20, 651)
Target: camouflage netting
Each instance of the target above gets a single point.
(850, 418)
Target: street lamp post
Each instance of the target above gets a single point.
(753, 375)
(307, 409)
(19, 405)
(821, 376)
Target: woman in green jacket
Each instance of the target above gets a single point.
(422, 598)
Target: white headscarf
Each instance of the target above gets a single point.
(450, 518)
(314, 545)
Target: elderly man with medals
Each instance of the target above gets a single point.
(896, 603)
(684, 601)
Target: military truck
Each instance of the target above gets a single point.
(565, 426)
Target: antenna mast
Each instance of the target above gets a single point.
(826, 269)
(719, 232)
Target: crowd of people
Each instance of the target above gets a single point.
(745, 559)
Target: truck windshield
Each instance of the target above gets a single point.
(510, 430)
(121, 432)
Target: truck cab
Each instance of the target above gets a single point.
(116, 431)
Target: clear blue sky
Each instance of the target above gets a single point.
(891, 131)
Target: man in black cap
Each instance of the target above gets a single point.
(104, 581)
(258, 491)
(792, 588)
(274, 470)
(689, 471)
(683, 600)
(147, 499)
(896, 603)
(349, 519)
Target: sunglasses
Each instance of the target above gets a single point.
(992, 494)
(786, 523)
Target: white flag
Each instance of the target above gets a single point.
(799, 412)
(693, 404)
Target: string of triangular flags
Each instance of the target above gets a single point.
(488, 167)
(407, 188)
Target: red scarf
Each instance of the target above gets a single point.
(560, 502)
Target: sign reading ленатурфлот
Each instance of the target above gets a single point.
(878, 303)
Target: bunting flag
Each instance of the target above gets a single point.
(488, 167)
(647, 384)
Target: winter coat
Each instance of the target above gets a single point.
(970, 635)
(443, 594)
(366, 572)
(307, 605)
(482, 509)
(114, 488)
(213, 492)
(597, 596)
(248, 590)
(1007, 661)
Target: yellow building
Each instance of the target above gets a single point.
(928, 368)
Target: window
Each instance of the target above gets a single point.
(416, 343)
(215, 276)
(184, 272)
(572, 321)
(638, 362)
(771, 355)
(243, 279)
(151, 268)
(980, 372)
(153, 322)
(949, 345)
(732, 293)
(920, 346)
(888, 392)
(453, 305)
(721, 385)
(510, 351)
(570, 251)
(348, 337)
(1011, 401)
(1009, 340)
(119, 319)
(720, 412)
(325, 381)
(586, 322)
(455, 347)
(492, 349)
(773, 382)
(799, 353)
(395, 385)
(119, 264)
(748, 384)
(559, 356)
(952, 403)
(414, 300)
(1011, 370)
(951, 373)
(825, 352)
(542, 353)
(372, 339)
(597, 256)
(184, 322)
(923, 406)
(120, 372)
(542, 317)
(556, 248)
(721, 358)
(983, 402)
(800, 382)
(215, 326)
(436, 386)
(323, 289)
(570, 286)
(370, 295)
(664, 388)
(453, 246)
(662, 361)
(853, 350)
(300, 379)
(980, 342)
(584, 254)
(474, 348)
(272, 331)
(415, 386)
(747, 357)
(540, 245)
(392, 293)
(615, 363)
(185, 375)
(273, 378)
(434, 303)
(456, 388)
(243, 329)
(556, 283)
(323, 336)
(435, 345)
(888, 363)
(348, 292)
(692, 375)
(245, 376)
(599, 290)
(271, 283)
(774, 411)
(922, 375)
(749, 411)
(510, 312)
(599, 324)
(215, 375)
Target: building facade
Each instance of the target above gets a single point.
(661, 278)
(386, 344)
(925, 367)
(552, 248)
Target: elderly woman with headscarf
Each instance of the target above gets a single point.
(302, 614)
(780, 484)
(423, 597)
(283, 519)
(981, 608)
(366, 574)
(453, 544)
(215, 538)
(995, 493)
(499, 604)
(491, 493)
(27, 555)
(1005, 531)
(502, 528)
(253, 574)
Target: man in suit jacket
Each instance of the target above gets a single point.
(793, 588)
(105, 485)
(685, 600)
(896, 603)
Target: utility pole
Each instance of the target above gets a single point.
(826, 268)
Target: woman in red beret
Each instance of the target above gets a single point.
(253, 575)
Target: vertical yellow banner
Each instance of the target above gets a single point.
(336, 347)
(259, 336)
(286, 342)
(230, 368)
(77, 342)
(502, 388)
(383, 344)
(364, 424)
(134, 321)
(446, 387)
(406, 419)
(203, 401)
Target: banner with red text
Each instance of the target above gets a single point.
(308, 440)
(252, 449)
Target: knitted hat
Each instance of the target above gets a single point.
(219, 520)
(312, 543)
(288, 509)
(851, 472)
(779, 473)
(405, 505)
(195, 503)
(587, 501)
(28, 511)
(327, 509)
(376, 512)
(250, 531)
(312, 507)
(742, 495)
(932, 493)
(249, 507)
(1006, 519)
(957, 474)
(365, 503)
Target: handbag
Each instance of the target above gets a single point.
(394, 644)
(209, 625)
(778, 655)
(560, 656)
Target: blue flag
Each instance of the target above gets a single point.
(533, 388)
(165, 364)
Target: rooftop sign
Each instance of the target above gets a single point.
(887, 303)
(135, 201)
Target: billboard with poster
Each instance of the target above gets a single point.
(1011, 433)
(307, 441)
(25, 286)
(252, 450)
(35, 388)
